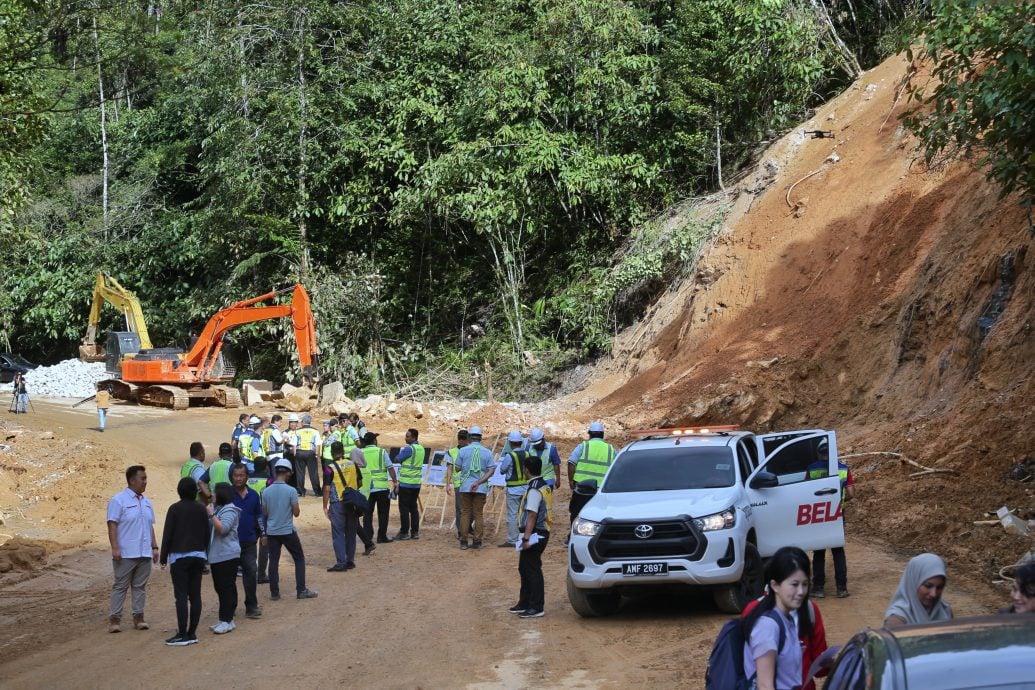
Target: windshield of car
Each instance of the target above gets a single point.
(671, 469)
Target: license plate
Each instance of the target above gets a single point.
(644, 569)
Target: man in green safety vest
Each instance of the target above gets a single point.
(411, 474)
(349, 434)
(547, 452)
(454, 478)
(590, 460)
(219, 471)
(476, 466)
(195, 469)
(378, 476)
(512, 468)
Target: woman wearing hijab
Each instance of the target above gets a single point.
(918, 598)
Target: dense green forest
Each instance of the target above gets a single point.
(457, 184)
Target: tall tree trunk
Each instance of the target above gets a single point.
(104, 130)
(303, 145)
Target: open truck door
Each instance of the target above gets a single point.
(796, 492)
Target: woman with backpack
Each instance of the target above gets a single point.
(224, 555)
(812, 645)
(772, 654)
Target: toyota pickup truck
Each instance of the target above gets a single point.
(702, 507)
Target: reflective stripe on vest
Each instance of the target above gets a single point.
(219, 473)
(597, 455)
(457, 477)
(257, 483)
(542, 521)
(516, 475)
(348, 471)
(476, 468)
(189, 466)
(544, 456)
(307, 436)
(411, 468)
(377, 464)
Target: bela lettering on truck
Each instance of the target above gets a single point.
(812, 513)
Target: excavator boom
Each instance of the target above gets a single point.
(107, 289)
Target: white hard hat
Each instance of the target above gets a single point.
(536, 436)
(282, 464)
(292, 417)
(474, 431)
(515, 437)
(596, 427)
(254, 420)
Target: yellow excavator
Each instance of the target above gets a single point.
(107, 289)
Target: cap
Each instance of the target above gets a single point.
(474, 431)
(342, 417)
(282, 464)
(536, 436)
(369, 437)
(596, 427)
(292, 417)
(333, 421)
(254, 420)
(515, 437)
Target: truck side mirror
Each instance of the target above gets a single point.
(587, 487)
(764, 480)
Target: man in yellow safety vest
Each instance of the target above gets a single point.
(378, 476)
(411, 475)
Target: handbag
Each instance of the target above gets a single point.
(353, 499)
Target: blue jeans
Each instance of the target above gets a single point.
(22, 402)
(343, 533)
(101, 414)
(513, 529)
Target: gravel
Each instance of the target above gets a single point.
(68, 379)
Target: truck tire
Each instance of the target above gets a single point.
(593, 603)
(734, 597)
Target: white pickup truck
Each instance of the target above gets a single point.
(704, 508)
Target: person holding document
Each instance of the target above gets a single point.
(534, 518)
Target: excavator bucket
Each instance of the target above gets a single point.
(92, 353)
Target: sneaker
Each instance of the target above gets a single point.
(842, 593)
(818, 593)
(221, 628)
(518, 609)
(463, 545)
(369, 550)
(401, 537)
(262, 581)
(532, 613)
(181, 640)
(233, 626)
(253, 613)
(337, 568)
(274, 597)
(307, 594)
(414, 536)
(385, 540)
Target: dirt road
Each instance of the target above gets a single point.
(414, 614)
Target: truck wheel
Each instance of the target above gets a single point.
(734, 597)
(592, 603)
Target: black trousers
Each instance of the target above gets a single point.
(293, 544)
(409, 513)
(249, 551)
(186, 577)
(305, 460)
(819, 568)
(224, 581)
(530, 568)
(380, 501)
(576, 504)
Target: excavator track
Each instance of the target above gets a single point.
(227, 396)
(171, 397)
(120, 390)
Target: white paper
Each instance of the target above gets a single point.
(532, 541)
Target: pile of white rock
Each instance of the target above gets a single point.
(68, 379)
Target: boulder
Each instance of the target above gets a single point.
(301, 400)
(259, 384)
(332, 393)
(392, 407)
(252, 396)
(287, 389)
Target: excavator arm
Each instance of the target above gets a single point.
(107, 289)
(203, 355)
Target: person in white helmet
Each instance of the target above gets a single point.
(512, 467)
(475, 464)
(547, 452)
(589, 460)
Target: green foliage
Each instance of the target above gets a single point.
(982, 95)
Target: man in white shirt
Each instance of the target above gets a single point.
(131, 533)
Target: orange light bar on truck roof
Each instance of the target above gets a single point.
(686, 430)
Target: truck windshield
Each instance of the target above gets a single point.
(671, 469)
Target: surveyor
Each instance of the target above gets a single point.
(476, 467)
(589, 460)
(411, 467)
(512, 467)
(378, 477)
(454, 479)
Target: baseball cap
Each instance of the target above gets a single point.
(369, 437)
(282, 464)
(596, 427)
(536, 436)
(475, 431)
(515, 437)
(292, 417)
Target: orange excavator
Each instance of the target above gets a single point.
(169, 377)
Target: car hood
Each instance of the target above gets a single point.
(658, 504)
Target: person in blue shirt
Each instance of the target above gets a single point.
(476, 466)
(511, 462)
(251, 529)
(411, 474)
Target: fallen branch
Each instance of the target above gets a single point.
(901, 90)
(926, 472)
(874, 452)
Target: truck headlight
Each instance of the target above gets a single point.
(585, 528)
(723, 520)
